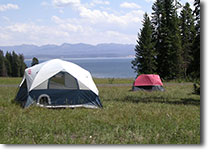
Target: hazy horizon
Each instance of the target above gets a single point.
(69, 43)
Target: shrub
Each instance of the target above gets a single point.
(197, 87)
(110, 80)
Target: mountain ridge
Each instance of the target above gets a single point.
(68, 50)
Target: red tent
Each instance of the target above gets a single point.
(148, 82)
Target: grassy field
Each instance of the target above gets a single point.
(170, 117)
(112, 81)
(8, 80)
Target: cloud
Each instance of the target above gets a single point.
(44, 3)
(4, 36)
(96, 16)
(64, 3)
(30, 33)
(77, 3)
(9, 6)
(149, 1)
(130, 5)
(65, 25)
(21, 28)
(99, 2)
(91, 25)
(91, 29)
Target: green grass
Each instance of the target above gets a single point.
(113, 80)
(10, 80)
(170, 117)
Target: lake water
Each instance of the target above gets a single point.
(103, 67)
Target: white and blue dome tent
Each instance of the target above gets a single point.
(58, 84)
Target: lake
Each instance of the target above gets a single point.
(103, 67)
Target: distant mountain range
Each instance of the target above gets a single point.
(72, 50)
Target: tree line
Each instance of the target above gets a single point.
(169, 43)
(13, 65)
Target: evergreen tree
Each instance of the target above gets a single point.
(1, 62)
(8, 63)
(3, 71)
(34, 61)
(145, 62)
(15, 65)
(22, 65)
(168, 41)
(187, 35)
(195, 63)
(156, 19)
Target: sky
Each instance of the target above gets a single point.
(41, 22)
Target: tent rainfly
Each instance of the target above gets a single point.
(57, 83)
(148, 82)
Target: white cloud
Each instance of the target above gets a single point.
(64, 3)
(96, 16)
(148, 1)
(71, 27)
(30, 33)
(4, 36)
(9, 6)
(32, 30)
(99, 2)
(61, 11)
(44, 3)
(21, 28)
(56, 19)
(130, 5)
(77, 3)
(65, 25)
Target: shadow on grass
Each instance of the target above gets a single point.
(13, 101)
(187, 101)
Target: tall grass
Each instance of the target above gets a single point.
(170, 117)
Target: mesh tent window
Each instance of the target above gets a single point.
(63, 80)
